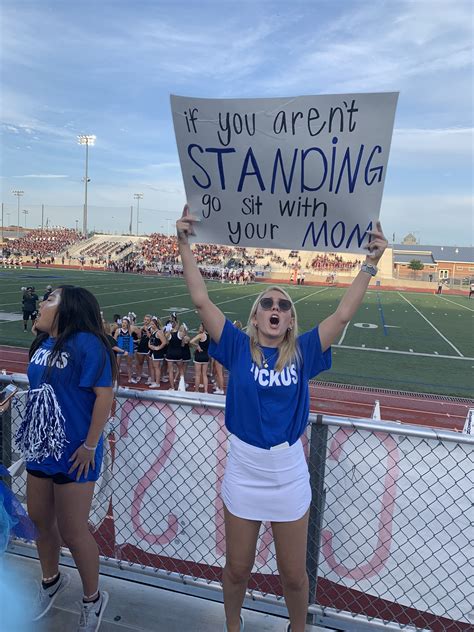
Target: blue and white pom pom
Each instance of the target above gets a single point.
(42, 431)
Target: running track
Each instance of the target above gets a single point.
(330, 399)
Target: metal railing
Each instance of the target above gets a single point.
(390, 520)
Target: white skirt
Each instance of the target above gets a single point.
(266, 485)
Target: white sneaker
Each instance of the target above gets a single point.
(149, 381)
(132, 381)
(91, 613)
(153, 385)
(218, 391)
(45, 597)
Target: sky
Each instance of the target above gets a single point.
(107, 68)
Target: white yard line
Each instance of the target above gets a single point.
(454, 303)
(303, 298)
(431, 325)
(343, 334)
(426, 355)
(230, 300)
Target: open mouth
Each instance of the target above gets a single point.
(274, 320)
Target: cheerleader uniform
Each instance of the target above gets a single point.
(156, 356)
(185, 353)
(135, 341)
(266, 476)
(201, 357)
(125, 341)
(142, 348)
(174, 350)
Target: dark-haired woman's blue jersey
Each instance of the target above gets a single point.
(83, 364)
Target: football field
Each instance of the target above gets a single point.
(398, 339)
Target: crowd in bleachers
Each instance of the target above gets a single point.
(39, 243)
(333, 262)
(106, 249)
(161, 248)
(210, 254)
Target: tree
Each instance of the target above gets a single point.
(415, 265)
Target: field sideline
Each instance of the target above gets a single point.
(398, 340)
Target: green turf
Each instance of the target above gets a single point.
(389, 359)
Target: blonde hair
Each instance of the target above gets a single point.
(288, 351)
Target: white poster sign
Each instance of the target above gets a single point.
(303, 173)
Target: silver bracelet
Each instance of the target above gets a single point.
(84, 445)
(370, 268)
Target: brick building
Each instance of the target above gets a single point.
(448, 263)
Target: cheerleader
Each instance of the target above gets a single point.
(201, 358)
(185, 356)
(174, 353)
(157, 347)
(267, 407)
(124, 338)
(143, 351)
(70, 372)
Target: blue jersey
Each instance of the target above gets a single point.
(265, 407)
(83, 364)
(125, 341)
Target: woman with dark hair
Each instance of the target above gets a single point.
(71, 371)
(201, 358)
(157, 345)
(267, 407)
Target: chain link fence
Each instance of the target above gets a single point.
(390, 521)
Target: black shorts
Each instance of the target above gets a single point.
(28, 315)
(59, 479)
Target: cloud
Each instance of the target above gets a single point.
(41, 175)
(379, 47)
(446, 143)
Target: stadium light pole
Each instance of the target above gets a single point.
(138, 197)
(87, 140)
(18, 194)
(25, 213)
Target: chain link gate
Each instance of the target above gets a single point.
(388, 542)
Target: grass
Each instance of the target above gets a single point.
(400, 340)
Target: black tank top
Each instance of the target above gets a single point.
(202, 356)
(174, 350)
(143, 342)
(156, 342)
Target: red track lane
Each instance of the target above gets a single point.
(333, 400)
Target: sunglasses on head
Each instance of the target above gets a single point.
(283, 303)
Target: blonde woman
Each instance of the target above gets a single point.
(124, 338)
(143, 351)
(267, 407)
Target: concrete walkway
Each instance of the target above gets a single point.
(135, 607)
